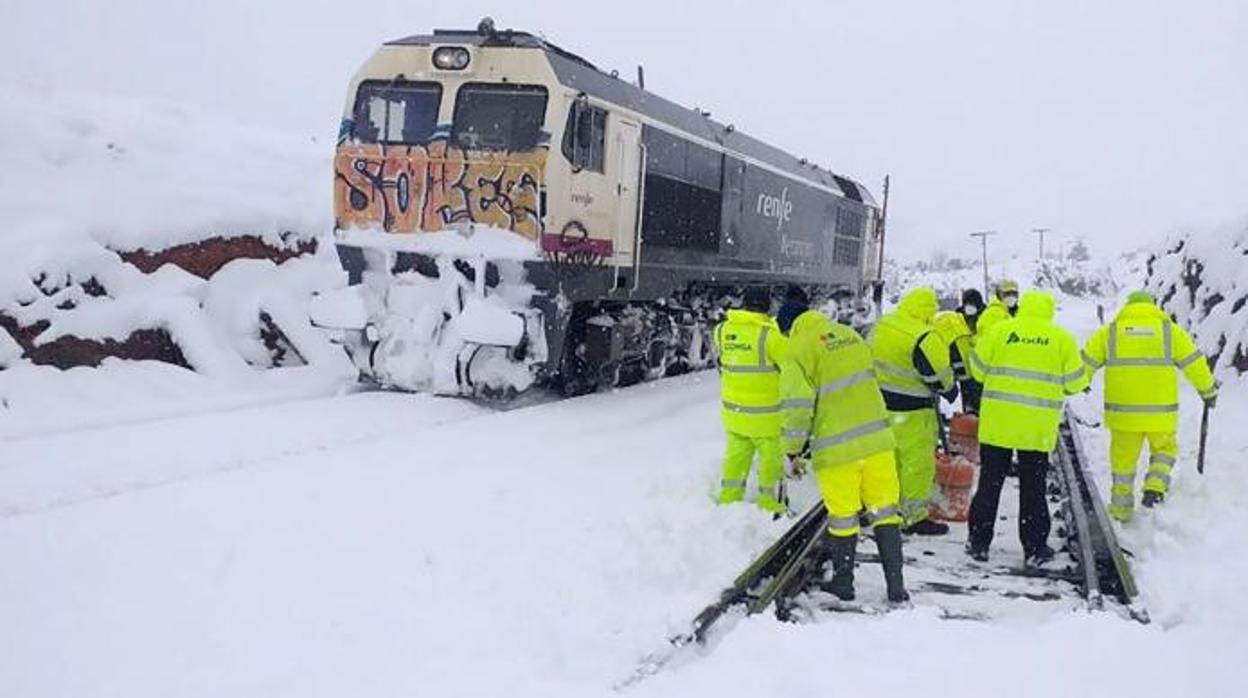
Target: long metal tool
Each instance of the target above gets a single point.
(1204, 437)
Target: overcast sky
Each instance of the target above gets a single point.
(1118, 120)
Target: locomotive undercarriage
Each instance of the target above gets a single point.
(478, 328)
(611, 343)
(491, 329)
(441, 324)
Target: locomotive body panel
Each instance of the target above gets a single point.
(643, 215)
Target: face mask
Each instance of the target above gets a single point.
(970, 309)
(1011, 301)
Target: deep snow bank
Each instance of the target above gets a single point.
(1202, 278)
(98, 190)
(133, 173)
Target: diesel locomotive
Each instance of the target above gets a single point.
(509, 214)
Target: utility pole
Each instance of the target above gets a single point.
(983, 241)
(1041, 232)
(879, 271)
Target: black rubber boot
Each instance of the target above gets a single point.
(927, 527)
(822, 551)
(888, 539)
(1038, 558)
(1152, 499)
(842, 552)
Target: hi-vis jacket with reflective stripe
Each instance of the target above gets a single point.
(953, 330)
(911, 360)
(1140, 351)
(797, 403)
(1028, 366)
(750, 351)
(850, 421)
(995, 313)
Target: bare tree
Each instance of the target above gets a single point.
(1079, 251)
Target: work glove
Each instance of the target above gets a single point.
(1211, 400)
(797, 466)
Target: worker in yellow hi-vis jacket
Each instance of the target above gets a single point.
(797, 398)
(912, 368)
(952, 327)
(1028, 365)
(1003, 306)
(852, 447)
(1142, 351)
(751, 349)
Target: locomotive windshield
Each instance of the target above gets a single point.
(396, 112)
(499, 116)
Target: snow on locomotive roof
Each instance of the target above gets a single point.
(576, 72)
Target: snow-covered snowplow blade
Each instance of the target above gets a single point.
(446, 312)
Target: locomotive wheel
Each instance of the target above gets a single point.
(657, 363)
(609, 375)
(574, 375)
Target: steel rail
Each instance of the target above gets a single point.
(1095, 532)
(1113, 569)
(1077, 528)
(782, 570)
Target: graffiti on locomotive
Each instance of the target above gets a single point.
(425, 187)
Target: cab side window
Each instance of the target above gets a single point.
(585, 137)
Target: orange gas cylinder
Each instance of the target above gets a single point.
(955, 476)
(964, 435)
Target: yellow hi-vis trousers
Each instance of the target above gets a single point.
(1124, 453)
(915, 432)
(737, 461)
(848, 488)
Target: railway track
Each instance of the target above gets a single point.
(1091, 570)
(1104, 569)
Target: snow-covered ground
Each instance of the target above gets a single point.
(385, 544)
(378, 544)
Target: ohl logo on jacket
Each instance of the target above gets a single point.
(1037, 341)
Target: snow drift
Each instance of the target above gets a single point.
(143, 229)
(1202, 279)
(134, 173)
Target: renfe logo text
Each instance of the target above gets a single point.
(779, 208)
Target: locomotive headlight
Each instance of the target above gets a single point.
(450, 58)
